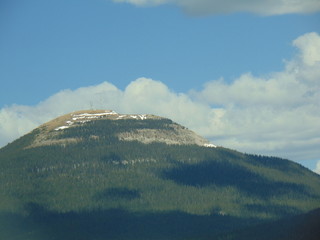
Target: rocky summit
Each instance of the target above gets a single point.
(175, 134)
(97, 174)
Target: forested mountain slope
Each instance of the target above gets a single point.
(116, 176)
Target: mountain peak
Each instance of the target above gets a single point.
(168, 132)
(109, 169)
(79, 117)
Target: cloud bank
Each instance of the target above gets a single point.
(278, 114)
(262, 7)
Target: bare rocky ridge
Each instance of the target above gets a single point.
(178, 135)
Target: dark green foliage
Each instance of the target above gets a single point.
(118, 193)
(99, 187)
(112, 156)
(114, 224)
(275, 163)
(275, 209)
(299, 227)
(224, 174)
(108, 128)
(20, 143)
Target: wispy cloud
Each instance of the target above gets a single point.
(204, 7)
(278, 114)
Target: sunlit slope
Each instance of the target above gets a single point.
(93, 160)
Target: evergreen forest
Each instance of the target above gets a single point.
(100, 187)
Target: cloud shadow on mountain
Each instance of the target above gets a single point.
(224, 174)
(114, 224)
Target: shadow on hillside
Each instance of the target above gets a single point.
(298, 227)
(225, 174)
(40, 224)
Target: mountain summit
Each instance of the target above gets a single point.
(172, 134)
(102, 175)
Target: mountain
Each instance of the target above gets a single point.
(171, 134)
(103, 175)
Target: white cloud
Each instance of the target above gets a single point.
(266, 7)
(141, 96)
(17, 120)
(317, 169)
(310, 44)
(277, 115)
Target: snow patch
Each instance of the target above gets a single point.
(141, 117)
(92, 115)
(61, 128)
(87, 117)
(209, 145)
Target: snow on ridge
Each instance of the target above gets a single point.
(87, 117)
(141, 117)
(75, 117)
(134, 116)
(209, 145)
(61, 128)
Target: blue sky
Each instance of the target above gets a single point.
(204, 55)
